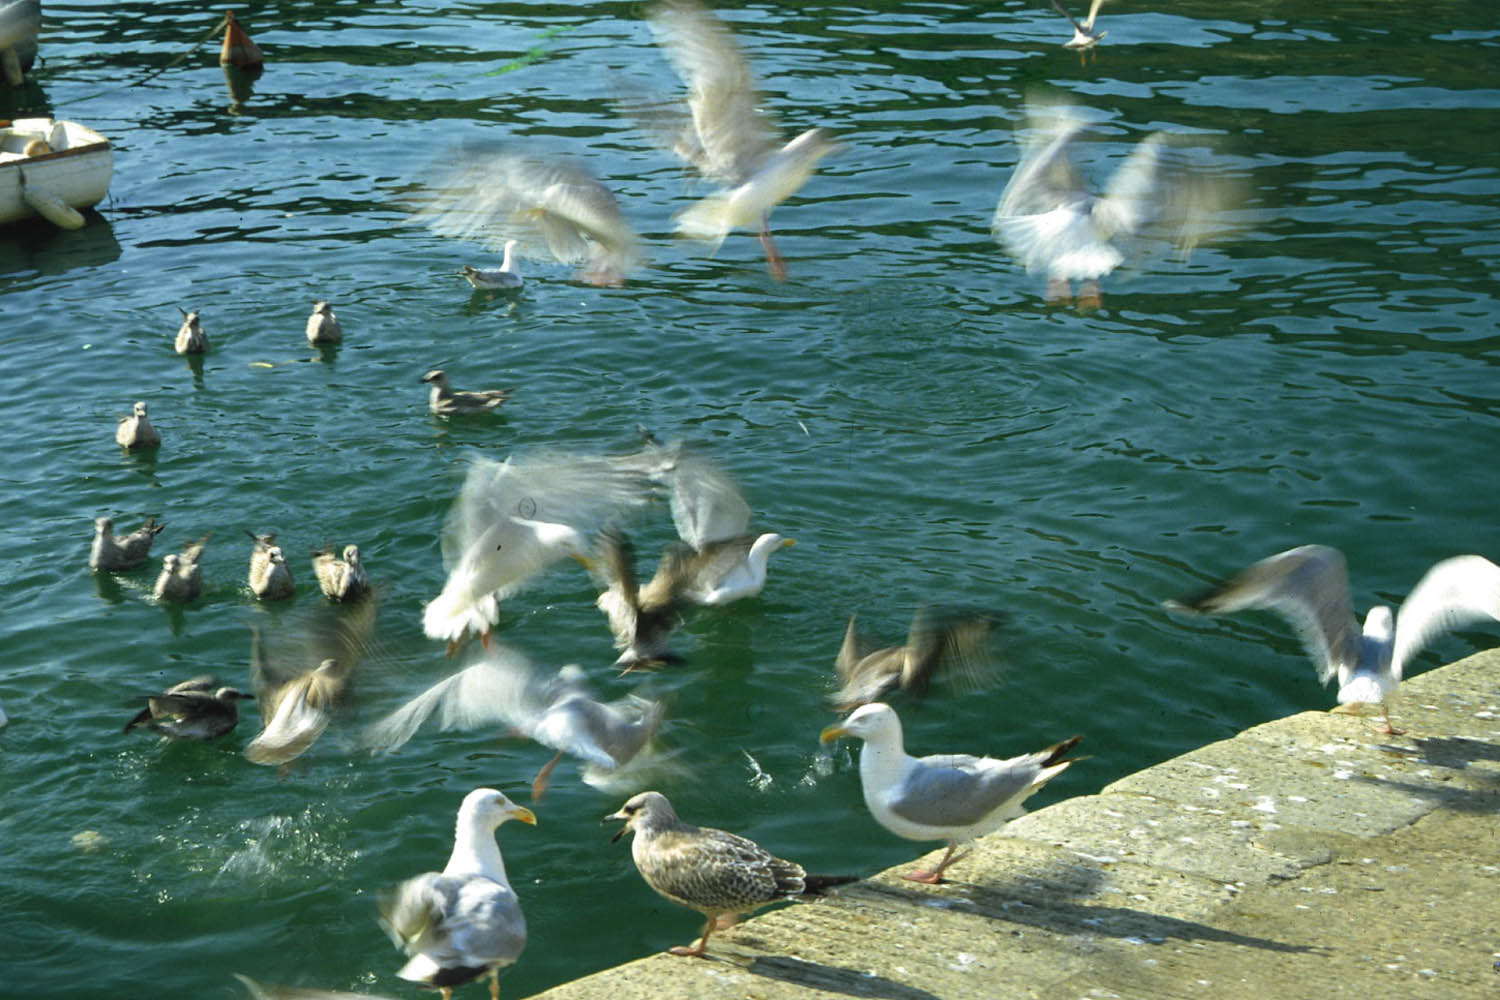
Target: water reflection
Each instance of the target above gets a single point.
(38, 246)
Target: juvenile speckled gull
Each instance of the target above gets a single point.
(341, 580)
(719, 874)
(1052, 223)
(956, 797)
(641, 619)
(1309, 586)
(445, 401)
(180, 579)
(323, 327)
(136, 430)
(726, 133)
(111, 554)
(270, 577)
(939, 639)
(190, 336)
(511, 521)
(199, 708)
(464, 921)
(541, 202)
(557, 711)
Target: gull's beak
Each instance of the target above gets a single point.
(614, 816)
(832, 733)
(786, 542)
(523, 814)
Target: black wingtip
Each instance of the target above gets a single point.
(817, 885)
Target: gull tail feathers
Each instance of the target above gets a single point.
(453, 614)
(710, 220)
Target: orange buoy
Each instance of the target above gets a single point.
(239, 49)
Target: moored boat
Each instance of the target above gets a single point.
(51, 168)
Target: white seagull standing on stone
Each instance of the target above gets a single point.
(1309, 586)
(465, 921)
(954, 797)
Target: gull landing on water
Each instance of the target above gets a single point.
(1084, 35)
(1309, 586)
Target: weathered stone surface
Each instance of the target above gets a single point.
(1307, 857)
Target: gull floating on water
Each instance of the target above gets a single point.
(721, 875)
(939, 639)
(1084, 35)
(511, 521)
(341, 580)
(725, 133)
(528, 202)
(1052, 223)
(180, 579)
(465, 921)
(190, 336)
(446, 401)
(199, 708)
(135, 431)
(270, 576)
(557, 711)
(323, 327)
(505, 277)
(956, 797)
(1309, 586)
(112, 555)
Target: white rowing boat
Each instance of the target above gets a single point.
(52, 169)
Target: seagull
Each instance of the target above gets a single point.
(1309, 586)
(341, 580)
(956, 797)
(642, 619)
(557, 711)
(1084, 36)
(20, 22)
(270, 576)
(725, 134)
(111, 555)
(323, 327)
(190, 336)
(464, 921)
(523, 201)
(1049, 221)
(512, 520)
(446, 402)
(296, 713)
(199, 708)
(505, 277)
(719, 874)
(938, 639)
(135, 431)
(180, 579)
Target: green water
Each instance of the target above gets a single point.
(906, 407)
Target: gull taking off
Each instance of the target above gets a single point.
(197, 709)
(956, 797)
(112, 555)
(939, 639)
(528, 202)
(190, 336)
(135, 431)
(465, 921)
(1084, 35)
(1309, 586)
(725, 133)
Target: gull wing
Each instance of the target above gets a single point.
(1309, 586)
(1453, 593)
(707, 505)
(500, 689)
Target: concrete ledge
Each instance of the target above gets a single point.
(1306, 857)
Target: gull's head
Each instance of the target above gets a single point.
(643, 810)
(351, 555)
(437, 377)
(769, 543)
(274, 554)
(230, 695)
(169, 562)
(104, 525)
(867, 722)
(322, 307)
(188, 318)
(139, 409)
(490, 807)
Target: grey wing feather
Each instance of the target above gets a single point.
(1453, 593)
(501, 689)
(1309, 586)
(960, 789)
(707, 505)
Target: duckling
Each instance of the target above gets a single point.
(270, 577)
(446, 401)
(341, 579)
(190, 336)
(323, 326)
(197, 709)
(135, 431)
(112, 555)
